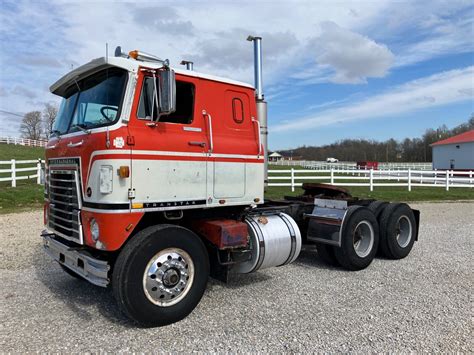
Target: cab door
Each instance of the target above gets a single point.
(235, 142)
(169, 155)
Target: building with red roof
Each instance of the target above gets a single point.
(454, 153)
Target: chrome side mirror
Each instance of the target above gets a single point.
(167, 91)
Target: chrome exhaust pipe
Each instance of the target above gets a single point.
(261, 103)
(257, 55)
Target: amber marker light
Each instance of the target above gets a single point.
(133, 54)
(124, 172)
(137, 205)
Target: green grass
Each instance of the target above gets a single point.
(389, 193)
(27, 194)
(19, 152)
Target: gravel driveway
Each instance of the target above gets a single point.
(421, 303)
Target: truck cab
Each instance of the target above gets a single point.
(122, 156)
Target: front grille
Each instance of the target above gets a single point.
(65, 204)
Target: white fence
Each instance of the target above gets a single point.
(17, 168)
(23, 141)
(373, 178)
(346, 165)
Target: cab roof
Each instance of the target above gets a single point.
(131, 65)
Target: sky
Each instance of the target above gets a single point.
(331, 69)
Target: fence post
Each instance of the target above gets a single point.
(409, 179)
(292, 180)
(332, 175)
(447, 180)
(13, 173)
(470, 177)
(38, 171)
(371, 179)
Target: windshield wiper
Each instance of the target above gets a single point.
(81, 128)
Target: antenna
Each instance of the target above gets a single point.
(106, 52)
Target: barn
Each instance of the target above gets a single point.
(454, 153)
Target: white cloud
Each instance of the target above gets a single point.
(349, 41)
(352, 56)
(446, 38)
(435, 90)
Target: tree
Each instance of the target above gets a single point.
(31, 125)
(49, 115)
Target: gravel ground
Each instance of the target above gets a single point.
(421, 303)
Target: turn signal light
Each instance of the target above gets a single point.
(133, 54)
(124, 172)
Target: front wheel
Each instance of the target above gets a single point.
(160, 275)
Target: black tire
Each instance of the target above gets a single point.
(70, 272)
(326, 253)
(377, 207)
(359, 220)
(397, 231)
(136, 258)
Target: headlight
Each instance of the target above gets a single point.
(105, 184)
(94, 227)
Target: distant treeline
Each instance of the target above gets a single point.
(408, 150)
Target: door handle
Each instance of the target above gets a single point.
(74, 145)
(199, 144)
(257, 122)
(209, 120)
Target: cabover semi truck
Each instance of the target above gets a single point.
(155, 181)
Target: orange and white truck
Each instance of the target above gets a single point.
(155, 180)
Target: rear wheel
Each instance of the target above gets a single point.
(160, 275)
(377, 207)
(326, 253)
(359, 239)
(397, 230)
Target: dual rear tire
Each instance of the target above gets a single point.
(398, 231)
(389, 228)
(359, 241)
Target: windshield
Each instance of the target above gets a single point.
(92, 102)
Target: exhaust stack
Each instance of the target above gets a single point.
(257, 56)
(261, 104)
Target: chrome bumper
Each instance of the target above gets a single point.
(93, 270)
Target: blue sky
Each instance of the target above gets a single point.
(332, 70)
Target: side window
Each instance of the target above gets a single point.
(184, 103)
(237, 110)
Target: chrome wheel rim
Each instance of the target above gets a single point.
(168, 277)
(363, 239)
(404, 231)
